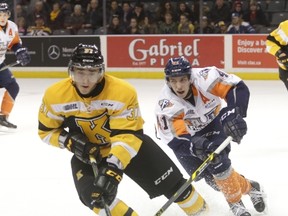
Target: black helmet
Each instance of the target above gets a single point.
(178, 66)
(86, 56)
(4, 8)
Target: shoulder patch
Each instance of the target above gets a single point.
(204, 73)
(164, 103)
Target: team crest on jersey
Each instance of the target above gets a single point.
(204, 73)
(165, 103)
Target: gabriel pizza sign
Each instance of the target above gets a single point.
(154, 51)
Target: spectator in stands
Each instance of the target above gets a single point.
(204, 26)
(220, 28)
(94, 15)
(256, 16)
(115, 27)
(114, 9)
(39, 9)
(185, 26)
(206, 10)
(134, 27)
(238, 26)
(238, 8)
(24, 2)
(56, 18)
(127, 13)
(182, 8)
(76, 20)
(165, 7)
(39, 29)
(168, 26)
(20, 11)
(22, 28)
(220, 12)
(138, 12)
(83, 3)
(66, 9)
(195, 9)
(149, 26)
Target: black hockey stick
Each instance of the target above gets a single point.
(195, 174)
(96, 171)
(10, 65)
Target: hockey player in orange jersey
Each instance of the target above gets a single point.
(192, 122)
(10, 40)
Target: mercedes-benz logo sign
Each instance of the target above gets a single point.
(54, 52)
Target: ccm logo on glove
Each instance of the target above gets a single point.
(114, 175)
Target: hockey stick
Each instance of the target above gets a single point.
(96, 171)
(10, 65)
(195, 174)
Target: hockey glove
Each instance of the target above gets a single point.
(233, 123)
(282, 57)
(202, 148)
(106, 185)
(23, 56)
(80, 145)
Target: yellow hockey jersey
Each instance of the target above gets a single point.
(278, 39)
(110, 119)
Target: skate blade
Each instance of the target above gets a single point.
(6, 130)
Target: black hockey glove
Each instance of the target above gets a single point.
(202, 148)
(233, 123)
(282, 57)
(106, 185)
(80, 145)
(23, 56)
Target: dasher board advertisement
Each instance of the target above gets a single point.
(154, 51)
(52, 51)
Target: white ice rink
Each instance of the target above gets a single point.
(36, 180)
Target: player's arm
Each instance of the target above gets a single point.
(21, 52)
(232, 116)
(228, 87)
(276, 44)
(49, 124)
(126, 125)
(236, 93)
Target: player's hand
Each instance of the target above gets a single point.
(23, 56)
(79, 144)
(282, 57)
(106, 185)
(202, 147)
(233, 123)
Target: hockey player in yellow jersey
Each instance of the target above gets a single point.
(277, 45)
(9, 40)
(96, 115)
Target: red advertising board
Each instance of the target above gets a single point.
(154, 51)
(249, 51)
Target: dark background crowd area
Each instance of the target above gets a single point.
(96, 17)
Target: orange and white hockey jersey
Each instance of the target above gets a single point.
(8, 38)
(176, 116)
